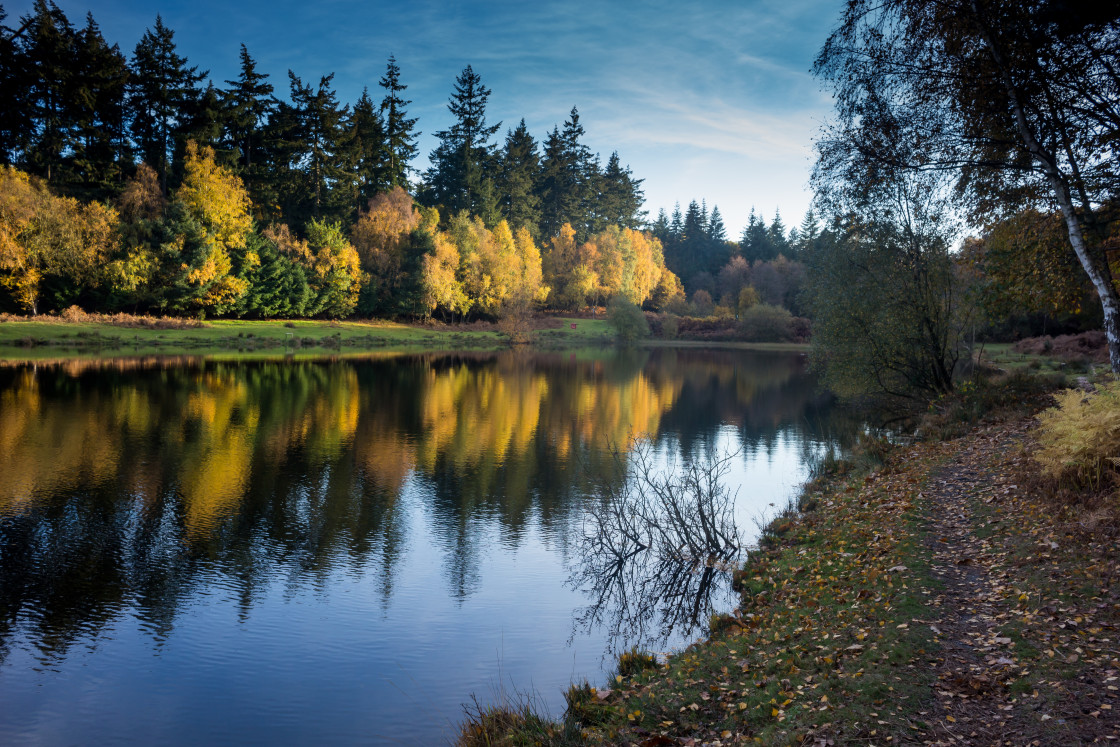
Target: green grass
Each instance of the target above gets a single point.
(587, 332)
(828, 640)
(45, 340)
(29, 340)
(1001, 355)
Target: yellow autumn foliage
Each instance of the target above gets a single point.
(216, 197)
(1080, 437)
(382, 231)
(42, 234)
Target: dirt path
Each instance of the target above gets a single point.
(993, 632)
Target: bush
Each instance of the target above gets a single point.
(702, 304)
(1080, 438)
(765, 323)
(627, 320)
(670, 326)
(634, 661)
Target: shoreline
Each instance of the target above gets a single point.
(906, 601)
(62, 339)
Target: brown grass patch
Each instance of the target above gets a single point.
(1089, 346)
(75, 315)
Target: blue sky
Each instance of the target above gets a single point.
(703, 100)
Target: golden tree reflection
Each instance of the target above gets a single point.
(159, 465)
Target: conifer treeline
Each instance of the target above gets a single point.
(80, 114)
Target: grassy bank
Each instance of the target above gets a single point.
(44, 338)
(935, 593)
(138, 336)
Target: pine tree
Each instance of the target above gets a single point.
(14, 120)
(367, 151)
(314, 124)
(49, 46)
(249, 104)
(460, 164)
(517, 181)
(660, 226)
(755, 245)
(400, 140)
(202, 123)
(100, 155)
(776, 234)
(620, 195)
(695, 228)
(809, 232)
(162, 92)
(676, 226)
(693, 255)
(591, 204)
(717, 232)
(565, 174)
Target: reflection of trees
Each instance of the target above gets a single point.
(130, 485)
(650, 545)
(762, 394)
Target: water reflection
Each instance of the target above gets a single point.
(655, 543)
(134, 489)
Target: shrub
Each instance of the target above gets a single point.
(765, 323)
(584, 706)
(627, 319)
(1080, 438)
(702, 303)
(634, 661)
(670, 326)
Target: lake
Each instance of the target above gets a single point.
(345, 550)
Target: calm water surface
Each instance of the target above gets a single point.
(341, 551)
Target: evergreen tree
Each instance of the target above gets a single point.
(14, 120)
(755, 244)
(163, 92)
(717, 232)
(565, 174)
(203, 122)
(100, 155)
(314, 130)
(50, 44)
(809, 232)
(249, 104)
(591, 207)
(400, 140)
(660, 226)
(458, 177)
(776, 234)
(695, 228)
(693, 254)
(676, 226)
(620, 195)
(367, 151)
(520, 166)
(277, 283)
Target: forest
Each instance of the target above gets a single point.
(132, 182)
